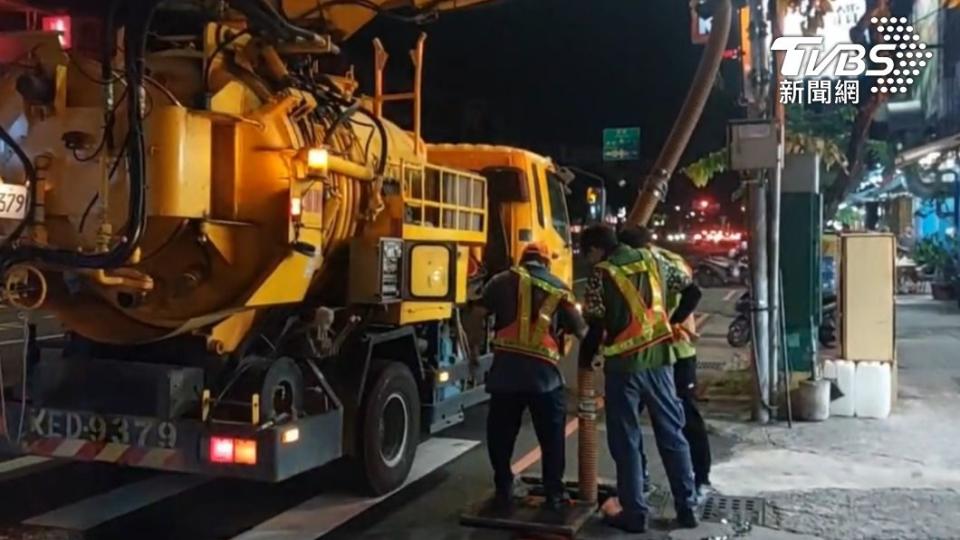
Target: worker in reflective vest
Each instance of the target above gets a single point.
(625, 307)
(533, 310)
(685, 367)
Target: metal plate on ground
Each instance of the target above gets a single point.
(735, 509)
(528, 517)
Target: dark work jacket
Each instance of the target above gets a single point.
(517, 373)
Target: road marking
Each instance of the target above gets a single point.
(41, 338)
(702, 318)
(23, 462)
(533, 456)
(324, 513)
(730, 295)
(581, 280)
(530, 458)
(90, 512)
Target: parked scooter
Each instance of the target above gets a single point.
(740, 332)
(718, 271)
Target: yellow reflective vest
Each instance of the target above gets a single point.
(526, 335)
(648, 324)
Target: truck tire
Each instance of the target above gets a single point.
(389, 428)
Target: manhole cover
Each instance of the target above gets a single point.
(735, 509)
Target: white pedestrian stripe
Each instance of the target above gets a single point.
(88, 513)
(324, 513)
(40, 338)
(21, 463)
(730, 295)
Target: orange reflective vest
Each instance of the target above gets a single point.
(525, 335)
(649, 324)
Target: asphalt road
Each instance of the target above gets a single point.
(48, 498)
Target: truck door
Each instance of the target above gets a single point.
(506, 188)
(557, 228)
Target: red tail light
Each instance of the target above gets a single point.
(221, 450)
(62, 24)
(229, 450)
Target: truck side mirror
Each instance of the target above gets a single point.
(507, 184)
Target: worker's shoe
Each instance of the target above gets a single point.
(622, 522)
(687, 518)
(556, 502)
(502, 502)
(703, 493)
(647, 484)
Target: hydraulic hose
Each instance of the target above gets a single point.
(655, 187)
(341, 118)
(135, 38)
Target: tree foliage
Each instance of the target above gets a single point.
(702, 170)
(839, 134)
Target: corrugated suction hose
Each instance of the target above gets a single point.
(587, 435)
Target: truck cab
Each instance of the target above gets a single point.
(527, 201)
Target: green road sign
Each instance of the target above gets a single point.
(621, 144)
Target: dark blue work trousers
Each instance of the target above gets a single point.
(626, 396)
(549, 414)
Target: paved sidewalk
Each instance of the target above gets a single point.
(854, 478)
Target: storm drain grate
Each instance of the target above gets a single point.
(714, 365)
(735, 509)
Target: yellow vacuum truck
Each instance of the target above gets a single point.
(256, 271)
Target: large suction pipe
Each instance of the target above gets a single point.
(654, 189)
(655, 186)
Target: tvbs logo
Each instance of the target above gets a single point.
(895, 60)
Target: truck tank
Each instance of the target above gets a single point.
(234, 219)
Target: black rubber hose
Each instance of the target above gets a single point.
(343, 117)
(263, 15)
(134, 52)
(216, 51)
(382, 166)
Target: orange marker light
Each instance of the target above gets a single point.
(245, 452)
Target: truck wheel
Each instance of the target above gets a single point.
(390, 428)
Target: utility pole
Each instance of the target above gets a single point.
(773, 270)
(758, 109)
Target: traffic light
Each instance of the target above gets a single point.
(592, 195)
(701, 15)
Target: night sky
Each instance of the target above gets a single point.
(549, 75)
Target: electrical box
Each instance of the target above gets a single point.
(376, 268)
(800, 258)
(753, 145)
(867, 302)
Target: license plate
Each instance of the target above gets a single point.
(131, 430)
(13, 201)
